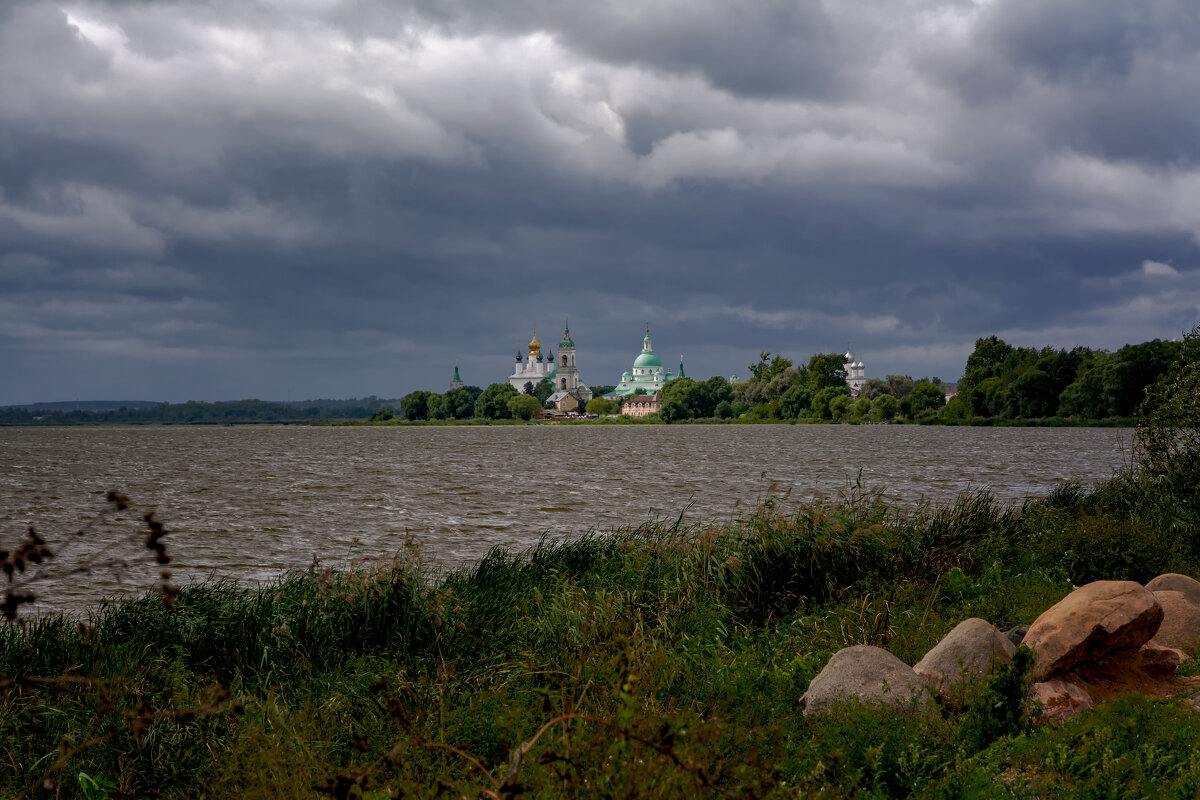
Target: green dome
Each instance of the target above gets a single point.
(647, 360)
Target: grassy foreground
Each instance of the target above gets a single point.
(663, 660)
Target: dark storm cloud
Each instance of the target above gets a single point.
(324, 197)
(773, 47)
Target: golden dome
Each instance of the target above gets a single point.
(535, 346)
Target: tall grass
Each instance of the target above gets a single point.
(663, 659)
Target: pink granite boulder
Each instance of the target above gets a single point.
(1158, 660)
(1091, 622)
(1174, 582)
(1180, 627)
(1060, 700)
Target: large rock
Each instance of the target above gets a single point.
(867, 675)
(1157, 660)
(1091, 622)
(1060, 700)
(1180, 627)
(963, 659)
(1174, 582)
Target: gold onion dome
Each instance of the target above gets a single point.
(535, 346)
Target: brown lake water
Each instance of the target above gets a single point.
(253, 502)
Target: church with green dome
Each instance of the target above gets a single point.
(647, 374)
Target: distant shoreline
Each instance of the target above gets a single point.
(982, 422)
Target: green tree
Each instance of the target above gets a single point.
(673, 410)
(768, 367)
(383, 415)
(543, 390)
(676, 399)
(988, 398)
(821, 401)
(438, 407)
(839, 407)
(796, 402)
(602, 406)
(884, 408)
(717, 391)
(1133, 369)
(1063, 367)
(1167, 444)
(524, 406)
(460, 403)
(955, 410)
(724, 410)
(898, 386)
(415, 405)
(1032, 394)
(925, 397)
(874, 387)
(988, 360)
(826, 370)
(768, 392)
(685, 398)
(492, 403)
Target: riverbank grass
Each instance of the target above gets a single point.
(661, 660)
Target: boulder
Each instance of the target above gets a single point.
(963, 660)
(868, 675)
(1174, 582)
(1091, 622)
(1060, 700)
(1180, 627)
(1016, 634)
(1157, 660)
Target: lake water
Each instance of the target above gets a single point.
(253, 502)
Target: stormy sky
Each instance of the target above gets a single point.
(221, 199)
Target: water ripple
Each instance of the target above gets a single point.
(252, 502)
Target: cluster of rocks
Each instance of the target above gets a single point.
(1103, 639)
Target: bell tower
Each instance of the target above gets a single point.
(567, 376)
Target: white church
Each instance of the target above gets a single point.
(560, 370)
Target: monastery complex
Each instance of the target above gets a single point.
(647, 376)
(647, 373)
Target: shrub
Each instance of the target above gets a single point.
(1168, 442)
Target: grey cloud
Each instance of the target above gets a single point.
(761, 49)
(346, 198)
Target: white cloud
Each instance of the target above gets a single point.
(1157, 269)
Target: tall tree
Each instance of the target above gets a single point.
(415, 405)
(825, 370)
(492, 403)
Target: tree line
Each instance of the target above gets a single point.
(1001, 383)
(778, 389)
(1006, 382)
(201, 413)
(497, 401)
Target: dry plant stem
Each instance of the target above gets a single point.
(34, 551)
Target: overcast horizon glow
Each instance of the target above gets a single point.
(215, 200)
